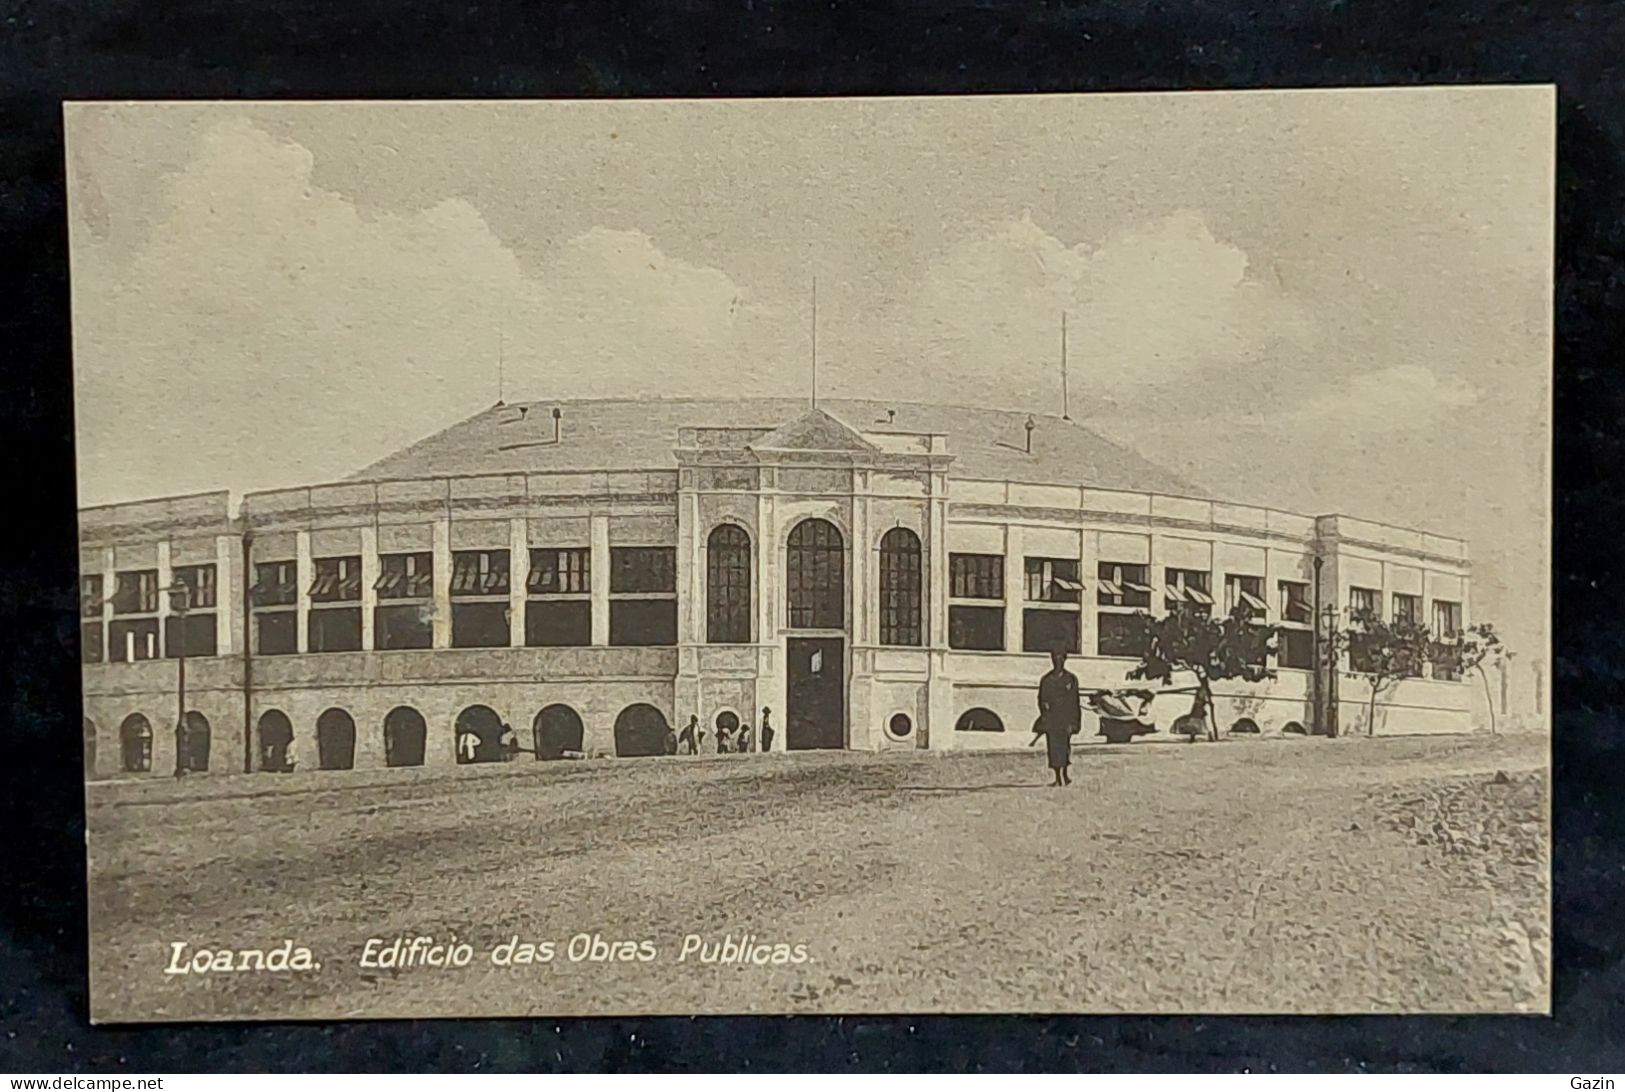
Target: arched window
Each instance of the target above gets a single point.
(479, 735)
(900, 588)
(815, 575)
(640, 731)
(194, 743)
(727, 585)
(335, 740)
(135, 743)
(557, 730)
(276, 741)
(979, 720)
(405, 734)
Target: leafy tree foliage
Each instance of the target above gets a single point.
(1212, 649)
(1384, 652)
(1478, 649)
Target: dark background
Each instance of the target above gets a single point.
(98, 49)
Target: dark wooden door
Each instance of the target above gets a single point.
(817, 694)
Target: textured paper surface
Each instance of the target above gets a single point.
(520, 431)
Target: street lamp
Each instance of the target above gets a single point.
(180, 601)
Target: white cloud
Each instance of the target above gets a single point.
(1403, 397)
(1144, 307)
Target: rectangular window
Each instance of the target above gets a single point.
(1365, 601)
(978, 629)
(1446, 618)
(335, 629)
(277, 632)
(1120, 634)
(196, 632)
(643, 570)
(1407, 608)
(1446, 625)
(90, 642)
(199, 582)
(976, 576)
(1047, 630)
(556, 623)
(90, 596)
(1295, 607)
(275, 584)
(1295, 648)
(1053, 580)
(402, 625)
(478, 572)
(132, 639)
(1187, 589)
(566, 571)
(636, 622)
(1245, 591)
(136, 592)
(405, 576)
(336, 580)
(479, 625)
(1123, 585)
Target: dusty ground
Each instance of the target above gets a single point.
(1266, 875)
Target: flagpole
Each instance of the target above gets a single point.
(1066, 399)
(815, 342)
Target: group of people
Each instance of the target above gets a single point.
(731, 739)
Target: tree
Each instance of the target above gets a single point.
(1385, 652)
(1478, 649)
(1234, 647)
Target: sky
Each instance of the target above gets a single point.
(1320, 301)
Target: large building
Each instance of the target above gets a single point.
(591, 572)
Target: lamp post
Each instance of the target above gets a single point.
(180, 601)
(1317, 719)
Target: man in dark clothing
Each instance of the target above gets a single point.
(767, 730)
(685, 740)
(1059, 716)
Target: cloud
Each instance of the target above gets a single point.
(294, 336)
(1400, 398)
(1146, 307)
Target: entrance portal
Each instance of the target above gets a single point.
(557, 729)
(640, 731)
(194, 743)
(816, 717)
(335, 740)
(479, 735)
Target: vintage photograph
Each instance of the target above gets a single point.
(1053, 553)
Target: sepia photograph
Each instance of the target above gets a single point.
(1080, 553)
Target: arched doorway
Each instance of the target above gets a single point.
(335, 740)
(640, 731)
(194, 743)
(557, 729)
(481, 723)
(405, 735)
(275, 742)
(90, 747)
(815, 585)
(135, 744)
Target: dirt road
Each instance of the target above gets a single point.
(1258, 876)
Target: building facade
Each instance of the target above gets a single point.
(591, 573)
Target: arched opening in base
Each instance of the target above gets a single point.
(640, 731)
(405, 737)
(557, 732)
(335, 740)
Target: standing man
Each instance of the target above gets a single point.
(687, 743)
(1059, 716)
(767, 730)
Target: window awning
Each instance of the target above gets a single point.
(1253, 601)
(389, 583)
(1197, 595)
(1110, 587)
(1142, 588)
(540, 579)
(1069, 585)
(1176, 593)
(324, 584)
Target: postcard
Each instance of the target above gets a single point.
(1062, 553)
